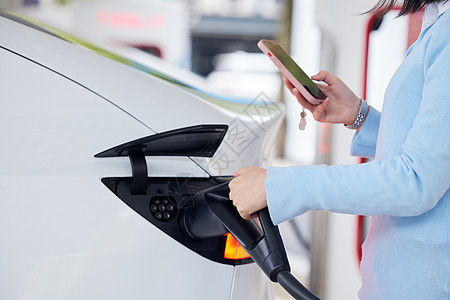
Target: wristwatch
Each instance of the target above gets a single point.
(361, 117)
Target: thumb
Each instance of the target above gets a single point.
(326, 77)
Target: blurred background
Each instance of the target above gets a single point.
(212, 44)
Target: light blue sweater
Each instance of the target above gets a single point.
(405, 189)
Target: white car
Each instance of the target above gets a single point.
(80, 128)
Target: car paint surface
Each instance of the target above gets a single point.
(64, 235)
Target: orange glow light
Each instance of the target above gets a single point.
(233, 250)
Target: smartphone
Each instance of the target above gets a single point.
(292, 71)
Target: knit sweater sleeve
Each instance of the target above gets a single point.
(364, 141)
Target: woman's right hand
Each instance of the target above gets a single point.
(341, 104)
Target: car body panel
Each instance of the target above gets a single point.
(64, 234)
(68, 237)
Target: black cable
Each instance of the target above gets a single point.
(294, 287)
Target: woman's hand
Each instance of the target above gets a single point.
(341, 105)
(248, 192)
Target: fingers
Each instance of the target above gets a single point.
(247, 191)
(247, 216)
(245, 212)
(323, 75)
(242, 171)
(288, 84)
(303, 102)
(294, 91)
(319, 113)
(320, 76)
(242, 208)
(326, 77)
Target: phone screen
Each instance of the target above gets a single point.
(295, 70)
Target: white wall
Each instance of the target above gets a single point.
(305, 49)
(343, 30)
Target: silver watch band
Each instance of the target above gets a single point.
(361, 117)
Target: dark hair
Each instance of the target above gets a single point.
(408, 6)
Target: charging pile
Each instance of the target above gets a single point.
(263, 243)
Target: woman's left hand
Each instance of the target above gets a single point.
(248, 192)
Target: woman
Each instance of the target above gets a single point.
(406, 188)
